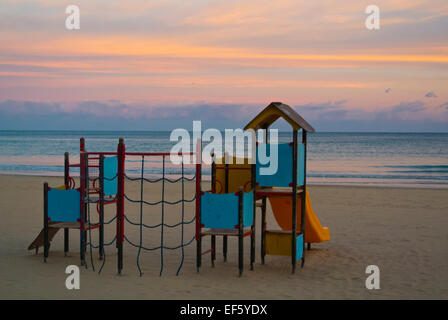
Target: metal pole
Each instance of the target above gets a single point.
(213, 248)
(198, 204)
(263, 210)
(252, 235)
(294, 202)
(303, 215)
(213, 180)
(101, 203)
(226, 190)
(67, 186)
(66, 170)
(82, 173)
(120, 204)
(240, 232)
(263, 229)
(82, 144)
(82, 179)
(46, 241)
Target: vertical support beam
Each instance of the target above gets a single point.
(226, 190)
(82, 174)
(101, 207)
(66, 170)
(252, 235)
(86, 204)
(82, 144)
(303, 200)
(213, 249)
(120, 203)
(224, 248)
(294, 202)
(263, 229)
(226, 173)
(240, 232)
(66, 241)
(213, 179)
(67, 186)
(46, 241)
(198, 203)
(82, 215)
(213, 187)
(263, 209)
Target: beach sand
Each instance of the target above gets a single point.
(402, 231)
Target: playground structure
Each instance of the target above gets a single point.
(102, 177)
(286, 190)
(228, 209)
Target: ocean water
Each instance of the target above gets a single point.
(393, 159)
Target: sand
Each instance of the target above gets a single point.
(402, 231)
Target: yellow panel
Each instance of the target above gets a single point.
(60, 188)
(278, 243)
(237, 178)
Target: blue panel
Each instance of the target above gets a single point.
(110, 172)
(64, 205)
(248, 209)
(300, 164)
(219, 210)
(299, 247)
(283, 176)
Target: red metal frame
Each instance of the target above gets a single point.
(121, 154)
(234, 168)
(121, 169)
(198, 190)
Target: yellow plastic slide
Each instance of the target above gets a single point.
(314, 232)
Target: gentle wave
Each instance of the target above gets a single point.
(206, 171)
(333, 158)
(376, 176)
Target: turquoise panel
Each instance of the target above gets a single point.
(299, 247)
(219, 210)
(283, 176)
(110, 176)
(64, 205)
(248, 209)
(300, 164)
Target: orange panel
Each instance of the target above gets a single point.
(282, 209)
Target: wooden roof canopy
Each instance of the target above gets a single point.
(275, 110)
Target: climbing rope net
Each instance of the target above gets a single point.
(138, 207)
(162, 203)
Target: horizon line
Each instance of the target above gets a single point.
(281, 131)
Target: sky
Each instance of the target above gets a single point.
(159, 65)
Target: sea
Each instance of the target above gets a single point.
(361, 159)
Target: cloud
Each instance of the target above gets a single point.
(443, 106)
(317, 107)
(409, 116)
(117, 115)
(413, 106)
(430, 94)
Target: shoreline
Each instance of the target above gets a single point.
(207, 177)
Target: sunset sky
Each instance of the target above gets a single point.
(153, 65)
